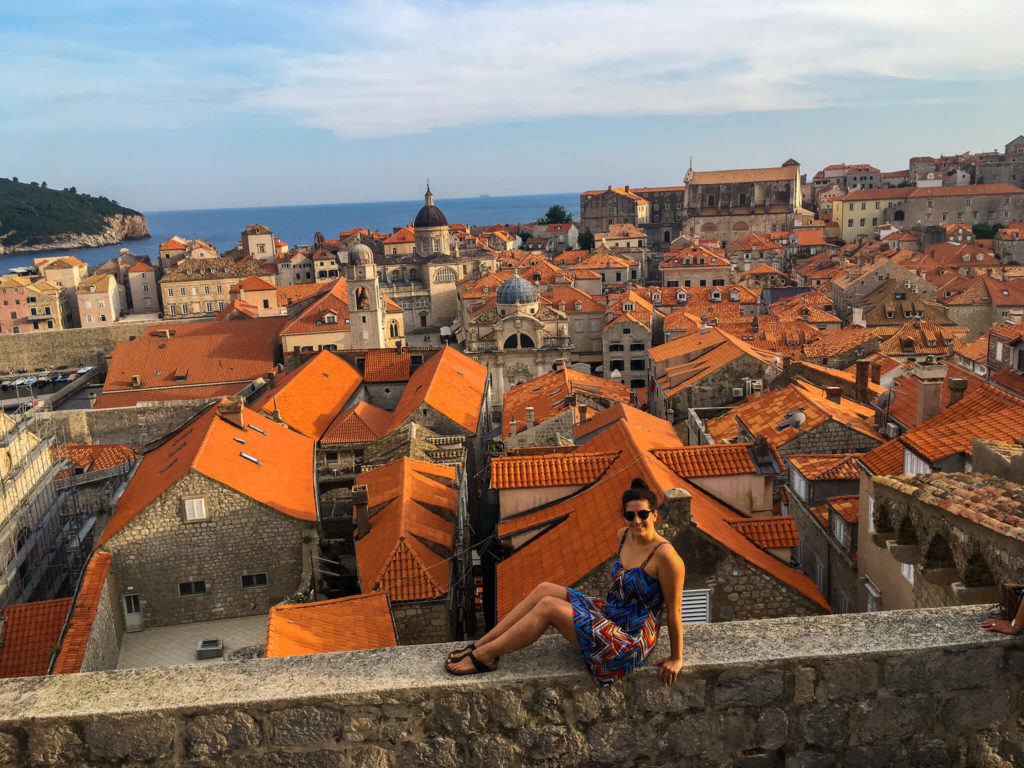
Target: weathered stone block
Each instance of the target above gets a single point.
(214, 734)
(772, 727)
(506, 708)
(9, 748)
(692, 735)
(868, 757)
(887, 718)
(738, 732)
(849, 679)
(749, 687)
(826, 726)
(940, 671)
(593, 703)
(133, 737)
(974, 710)
(304, 725)
(372, 757)
(547, 705)
(811, 760)
(320, 758)
(803, 685)
(458, 713)
(492, 749)
(558, 742)
(54, 745)
(438, 752)
(931, 753)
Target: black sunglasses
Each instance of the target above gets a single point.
(643, 514)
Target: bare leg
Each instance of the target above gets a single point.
(549, 611)
(542, 590)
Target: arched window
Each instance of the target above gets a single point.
(898, 216)
(445, 275)
(519, 341)
(393, 328)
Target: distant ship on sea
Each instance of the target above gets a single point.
(485, 196)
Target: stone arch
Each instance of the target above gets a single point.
(709, 229)
(393, 329)
(938, 554)
(445, 275)
(898, 216)
(976, 572)
(668, 236)
(519, 341)
(740, 226)
(906, 533)
(883, 517)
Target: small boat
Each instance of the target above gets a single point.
(19, 383)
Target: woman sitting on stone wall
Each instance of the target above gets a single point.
(614, 635)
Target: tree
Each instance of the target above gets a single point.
(556, 215)
(586, 241)
(985, 231)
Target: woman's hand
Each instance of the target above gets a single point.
(668, 669)
(998, 625)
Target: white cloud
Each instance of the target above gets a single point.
(408, 67)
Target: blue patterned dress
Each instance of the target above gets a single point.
(616, 634)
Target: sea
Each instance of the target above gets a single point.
(297, 224)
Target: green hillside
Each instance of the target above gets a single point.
(35, 213)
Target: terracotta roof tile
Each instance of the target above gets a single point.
(547, 396)
(769, 532)
(387, 365)
(134, 397)
(741, 175)
(363, 423)
(284, 480)
(311, 396)
(450, 383)
(903, 403)
(355, 623)
(709, 460)
(826, 466)
(30, 632)
(415, 504)
(847, 507)
(83, 614)
(578, 468)
(311, 319)
(886, 459)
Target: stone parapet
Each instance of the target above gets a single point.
(912, 688)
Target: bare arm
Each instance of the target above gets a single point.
(1014, 627)
(671, 575)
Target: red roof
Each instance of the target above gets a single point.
(578, 468)
(310, 397)
(547, 396)
(709, 460)
(216, 448)
(140, 266)
(449, 382)
(355, 623)
(30, 633)
(87, 603)
(769, 532)
(363, 423)
(311, 319)
(253, 283)
(414, 503)
(386, 365)
(133, 397)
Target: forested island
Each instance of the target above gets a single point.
(34, 217)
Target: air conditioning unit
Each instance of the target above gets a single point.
(737, 392)
(756, 385)
(892, 429)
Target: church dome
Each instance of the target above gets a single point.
(516, 290)
(430, 215)
(360, 254)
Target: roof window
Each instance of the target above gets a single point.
(257, 429)
(251, 458)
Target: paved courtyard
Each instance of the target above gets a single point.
(172, 646)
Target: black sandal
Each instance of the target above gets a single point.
(479, 665)
(461, 653)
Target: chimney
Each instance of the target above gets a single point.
(529, 416)
(360, 506)
(957, 387)
(277, 413)
(678, 503)
(863, 389)
(398, 347)
(583, 407)
(786, 362)
(833, 394)
(929, 376)
(513, 428)
(670, 416)
(230, 409)
(762, 450)
(876, 373)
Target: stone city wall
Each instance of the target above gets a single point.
(104, 645)
(903, 688)
(134, 425)
(69, 348)
(425, 621)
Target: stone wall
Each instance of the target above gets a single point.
(158, 550)
(135, 425)
(69, 348)
(426, 621)
(104, 645)
(829, 437)
(912, 688)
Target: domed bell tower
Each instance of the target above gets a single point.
(431, 228)
(365, 301)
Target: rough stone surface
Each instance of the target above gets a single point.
(213, 734)
(139, 737)
(304, 725)
(868, 757)
(747, 688)
(825, 727)
(930, 753)
(8, 748)
(56, 745)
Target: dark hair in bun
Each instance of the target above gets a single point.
(638, 491)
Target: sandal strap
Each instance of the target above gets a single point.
(480, 666)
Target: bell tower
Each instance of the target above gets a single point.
(366, 304)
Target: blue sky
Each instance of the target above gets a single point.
(230, 103)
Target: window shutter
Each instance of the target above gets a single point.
(696, 606)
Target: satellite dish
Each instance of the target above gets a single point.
(797, 419)
(884, 400)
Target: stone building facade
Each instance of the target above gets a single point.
(725, 205)
(159, 551)
(666, 206)
(601, 209)
(202, 287)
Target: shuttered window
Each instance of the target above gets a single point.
(696, 606)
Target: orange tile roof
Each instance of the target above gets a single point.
(586, 535)
(986, 413)
(836, 341)
(87, 602)
(30, 632)
(762, 269)
(826, 466)
(740, 175)
(252, 283)
(569, 296)
(356, 623)
(140, 266)
(709, 460)
(648, 430)
(449, 382)
(208, 353)
(689, 358)
(210, 446)
(386, 365)
(94, 458)
(847, 507)
(363, 423)
(763, 415)
(310, 320)
(886, 459)
(311, 396)
(404, 235)
(547, 394)
(993, 502)
(769, 532)
(578, 468)
(294, 293)
(903, 405)
(414, 503)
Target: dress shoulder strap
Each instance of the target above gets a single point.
(622, 542)
(651, 554)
